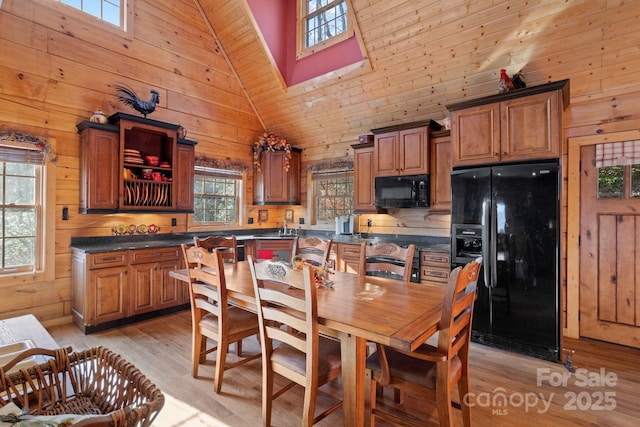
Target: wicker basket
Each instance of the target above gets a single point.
(94, 381)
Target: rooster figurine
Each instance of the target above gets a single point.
(127, 96)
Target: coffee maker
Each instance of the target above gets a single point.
(347, 224)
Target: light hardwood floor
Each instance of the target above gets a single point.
(608, 376)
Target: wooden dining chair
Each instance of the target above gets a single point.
(211, 316)
(227, 245)
(430, 372)
(288, 314)
(313, 249)
(386, 259)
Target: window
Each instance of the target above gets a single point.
(322, 23)
(333, 193)
(111, 11)
(618, 166)
(21, 226)
(216, 196)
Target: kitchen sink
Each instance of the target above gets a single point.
(9, 351)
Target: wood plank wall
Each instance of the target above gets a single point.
(57, 69)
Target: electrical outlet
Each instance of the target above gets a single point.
(369, 224)
(174, 222)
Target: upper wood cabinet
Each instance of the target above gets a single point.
(363, 166)
(440, 171)
(401, 152)
(523, 124)
(272, 185)
(116, 176)
(100, 165)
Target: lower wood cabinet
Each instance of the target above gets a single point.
(110, 287)
(261, 249)
(348, 257)
(434, 267)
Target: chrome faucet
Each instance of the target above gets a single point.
(284, 228)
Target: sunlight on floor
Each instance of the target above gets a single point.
(176, 413)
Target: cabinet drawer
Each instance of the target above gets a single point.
(434, 274)
(434, 258)
(347, 251)
(156, 254)
(108, 259)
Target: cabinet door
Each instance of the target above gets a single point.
(272, 184)
(170, 290)
(364, 196)
(183, 178)
(475, 135)
(271, 248)
(107, 295)
(413, 151)
(530, 128)
(386, 154)
(100, 159)
(144, 285)
(441, 173)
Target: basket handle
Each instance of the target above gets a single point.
(35, 352)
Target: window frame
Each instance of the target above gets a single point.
(301, 49)
(59, 10)
(240, 198)
(314, 177)
(45, 229)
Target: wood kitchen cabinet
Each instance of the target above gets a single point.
(348, 257)
(151, 286)
(272, 185)
(100, 287)
(115, 175)
(110, 288)
(261, 249)
(435, 267)
(363, 167)
(401, 152)
(524, 124)
(440, 171)
(100, 166)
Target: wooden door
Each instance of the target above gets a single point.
(99, 186)
(413, 152)
(609, 259)
(170, 290)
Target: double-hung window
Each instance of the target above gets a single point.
(110, 11)
(321, 24)
(22, 213)
(217, 196)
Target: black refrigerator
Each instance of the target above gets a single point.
(509, 215)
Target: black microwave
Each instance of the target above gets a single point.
(409, 191)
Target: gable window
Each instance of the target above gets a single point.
(216, 196)
(21, 210)
(333, 195)
(321, 24)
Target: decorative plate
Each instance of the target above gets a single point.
(121, 229)
(142, 229)
(152, 228)
(132, 229)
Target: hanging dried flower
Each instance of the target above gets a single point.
(271, 141)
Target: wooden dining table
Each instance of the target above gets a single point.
(356, 309)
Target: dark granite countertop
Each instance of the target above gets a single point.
(143, 241)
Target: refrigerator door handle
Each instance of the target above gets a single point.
(493, 245)
(485, 239)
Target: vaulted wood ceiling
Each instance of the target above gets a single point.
(421, 56)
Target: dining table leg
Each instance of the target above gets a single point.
(353, 352)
